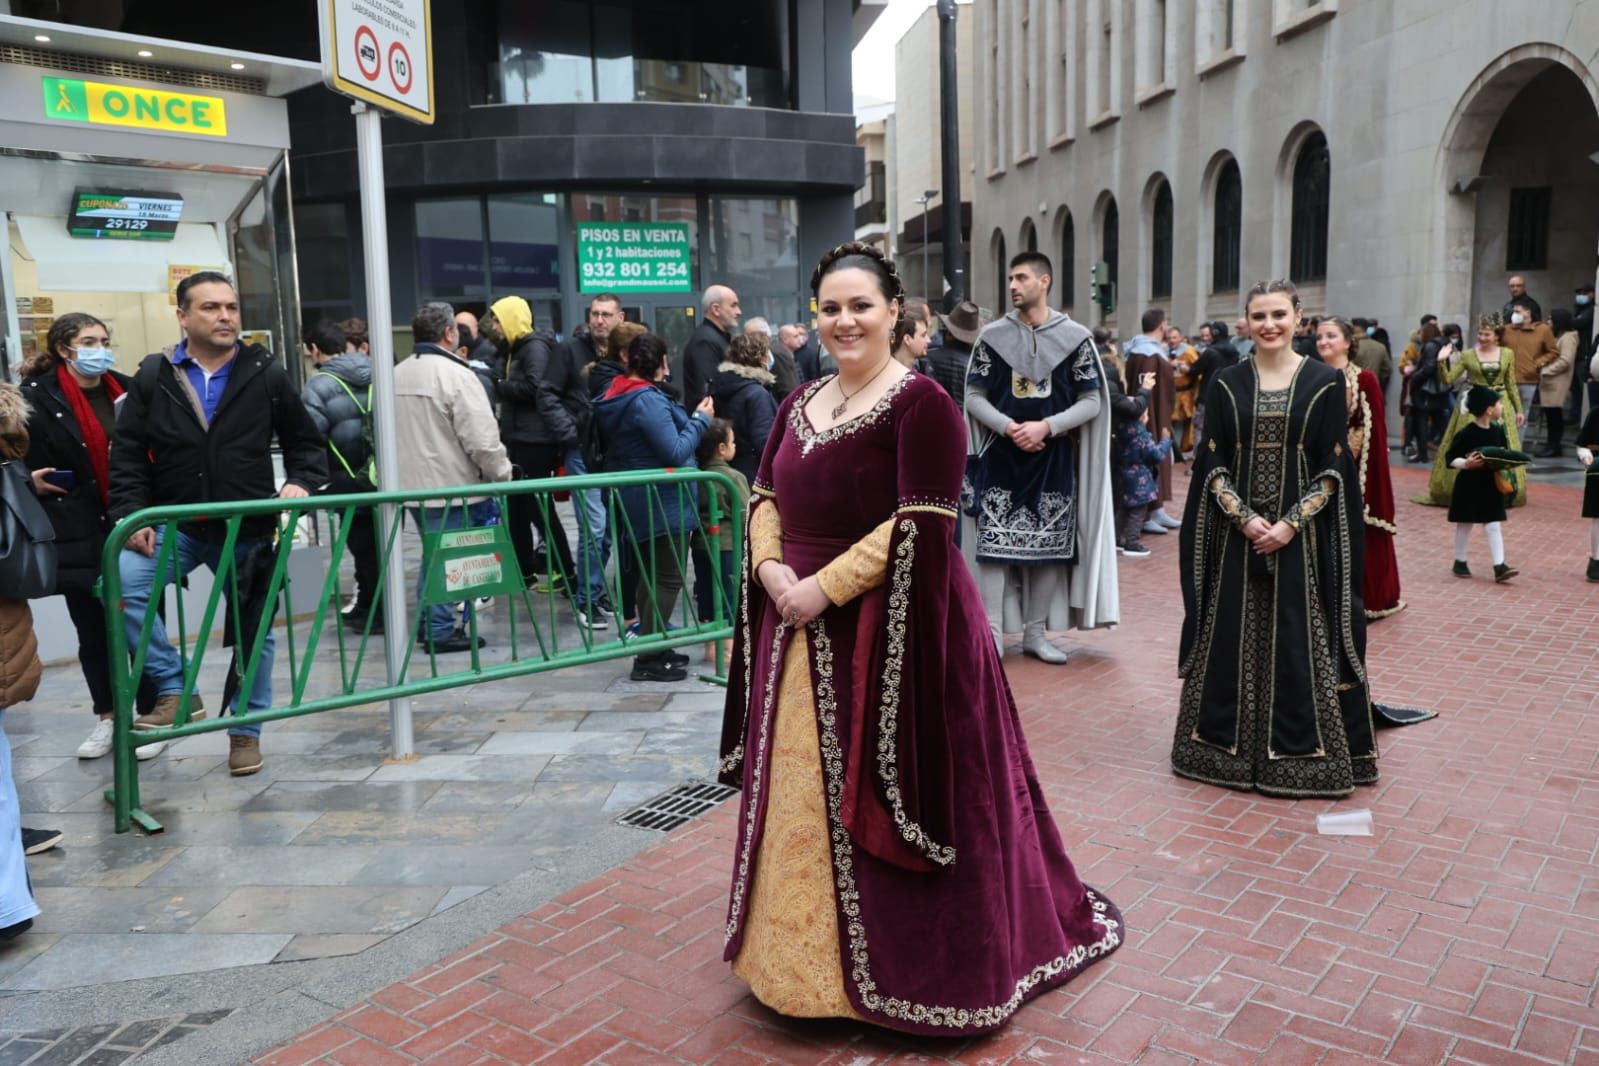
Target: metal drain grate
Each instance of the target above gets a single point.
(671, 809)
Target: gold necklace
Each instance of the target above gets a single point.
(838, 412)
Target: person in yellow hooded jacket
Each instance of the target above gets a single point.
(540, 400)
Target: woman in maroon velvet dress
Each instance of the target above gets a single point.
(896, 861)
(1368, 442)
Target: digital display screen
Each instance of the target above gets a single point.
(135, 216)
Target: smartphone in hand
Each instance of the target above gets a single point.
(66, 480)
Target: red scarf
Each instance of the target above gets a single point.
(94, 437)
(623, 384)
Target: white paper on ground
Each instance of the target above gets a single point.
(1356, 823)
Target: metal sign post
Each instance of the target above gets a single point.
(381, 53)
(375, 244)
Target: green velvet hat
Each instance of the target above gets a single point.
(1480, 398)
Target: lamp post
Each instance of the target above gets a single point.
(924, 200)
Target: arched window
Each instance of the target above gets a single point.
(1109, 242)
(1160, 245)
(1029, 236)
(1002, 269)
(1307, 246)
(1065, 273)
(1227, 238)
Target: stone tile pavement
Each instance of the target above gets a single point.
(1466, 930)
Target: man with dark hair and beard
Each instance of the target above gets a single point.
(1038, 470)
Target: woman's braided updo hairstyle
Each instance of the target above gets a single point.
(857, 255)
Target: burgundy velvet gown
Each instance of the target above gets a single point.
(948, 897)
(1368, 436)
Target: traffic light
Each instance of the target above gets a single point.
(1104, 288)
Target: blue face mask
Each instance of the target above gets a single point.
(92, 362)
(1371, 331)
(1584, 301)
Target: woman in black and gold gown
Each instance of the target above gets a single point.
(1274, 695)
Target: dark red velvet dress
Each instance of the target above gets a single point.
(955, 899)
(1368, 433)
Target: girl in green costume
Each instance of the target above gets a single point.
(1487, 364)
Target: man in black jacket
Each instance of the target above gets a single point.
(197, 427)
(707, 348)
(592, 606)
(539, 400)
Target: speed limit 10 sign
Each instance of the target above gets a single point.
(380, 51)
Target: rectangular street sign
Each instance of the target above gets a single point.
(633, 257)
(380, 51)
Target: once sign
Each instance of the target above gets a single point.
(633, 257)
(103, 104)
(381, 51)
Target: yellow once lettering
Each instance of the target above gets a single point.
(153, 109)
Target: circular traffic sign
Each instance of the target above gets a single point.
(366, 53)
(400, 71)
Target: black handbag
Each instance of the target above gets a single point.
(27, 538)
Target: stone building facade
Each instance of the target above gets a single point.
(1392, 157)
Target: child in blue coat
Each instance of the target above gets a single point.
(1138, 459)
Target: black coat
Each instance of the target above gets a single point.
(541, 396)
(704, 352)
(743, 396)
(80, 520)
(161, 454)
(808, 358)
(949, 362)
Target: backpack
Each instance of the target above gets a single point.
(369, 471)
(591, 440)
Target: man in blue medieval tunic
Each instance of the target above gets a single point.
(1038, 494)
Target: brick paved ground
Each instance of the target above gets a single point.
(1466, 930)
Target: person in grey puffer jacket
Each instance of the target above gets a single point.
(338, 397)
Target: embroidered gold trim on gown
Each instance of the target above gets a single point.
(790, 955)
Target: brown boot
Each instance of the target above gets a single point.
(244, 755)
(165, 712)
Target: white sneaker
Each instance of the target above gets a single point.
(146, 752)
(98, 742)
(1167, 520)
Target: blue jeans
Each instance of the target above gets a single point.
(16, 895)
(441, 617)
(593, 534)
(162, 665)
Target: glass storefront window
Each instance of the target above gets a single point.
(754, 247)
(322, 234)
(449, 249)
(525, 253)
(729, 52)
(546, 53)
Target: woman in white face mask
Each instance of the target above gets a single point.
(72, 389)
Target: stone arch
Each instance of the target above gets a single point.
(1283, 192)
(1157, 248)
(1223, 162)
(1001, 260)
(1459, 171)
(1027, 239)
(1064, 233)
(1107, 240)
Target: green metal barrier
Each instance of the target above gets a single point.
(251, 581)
